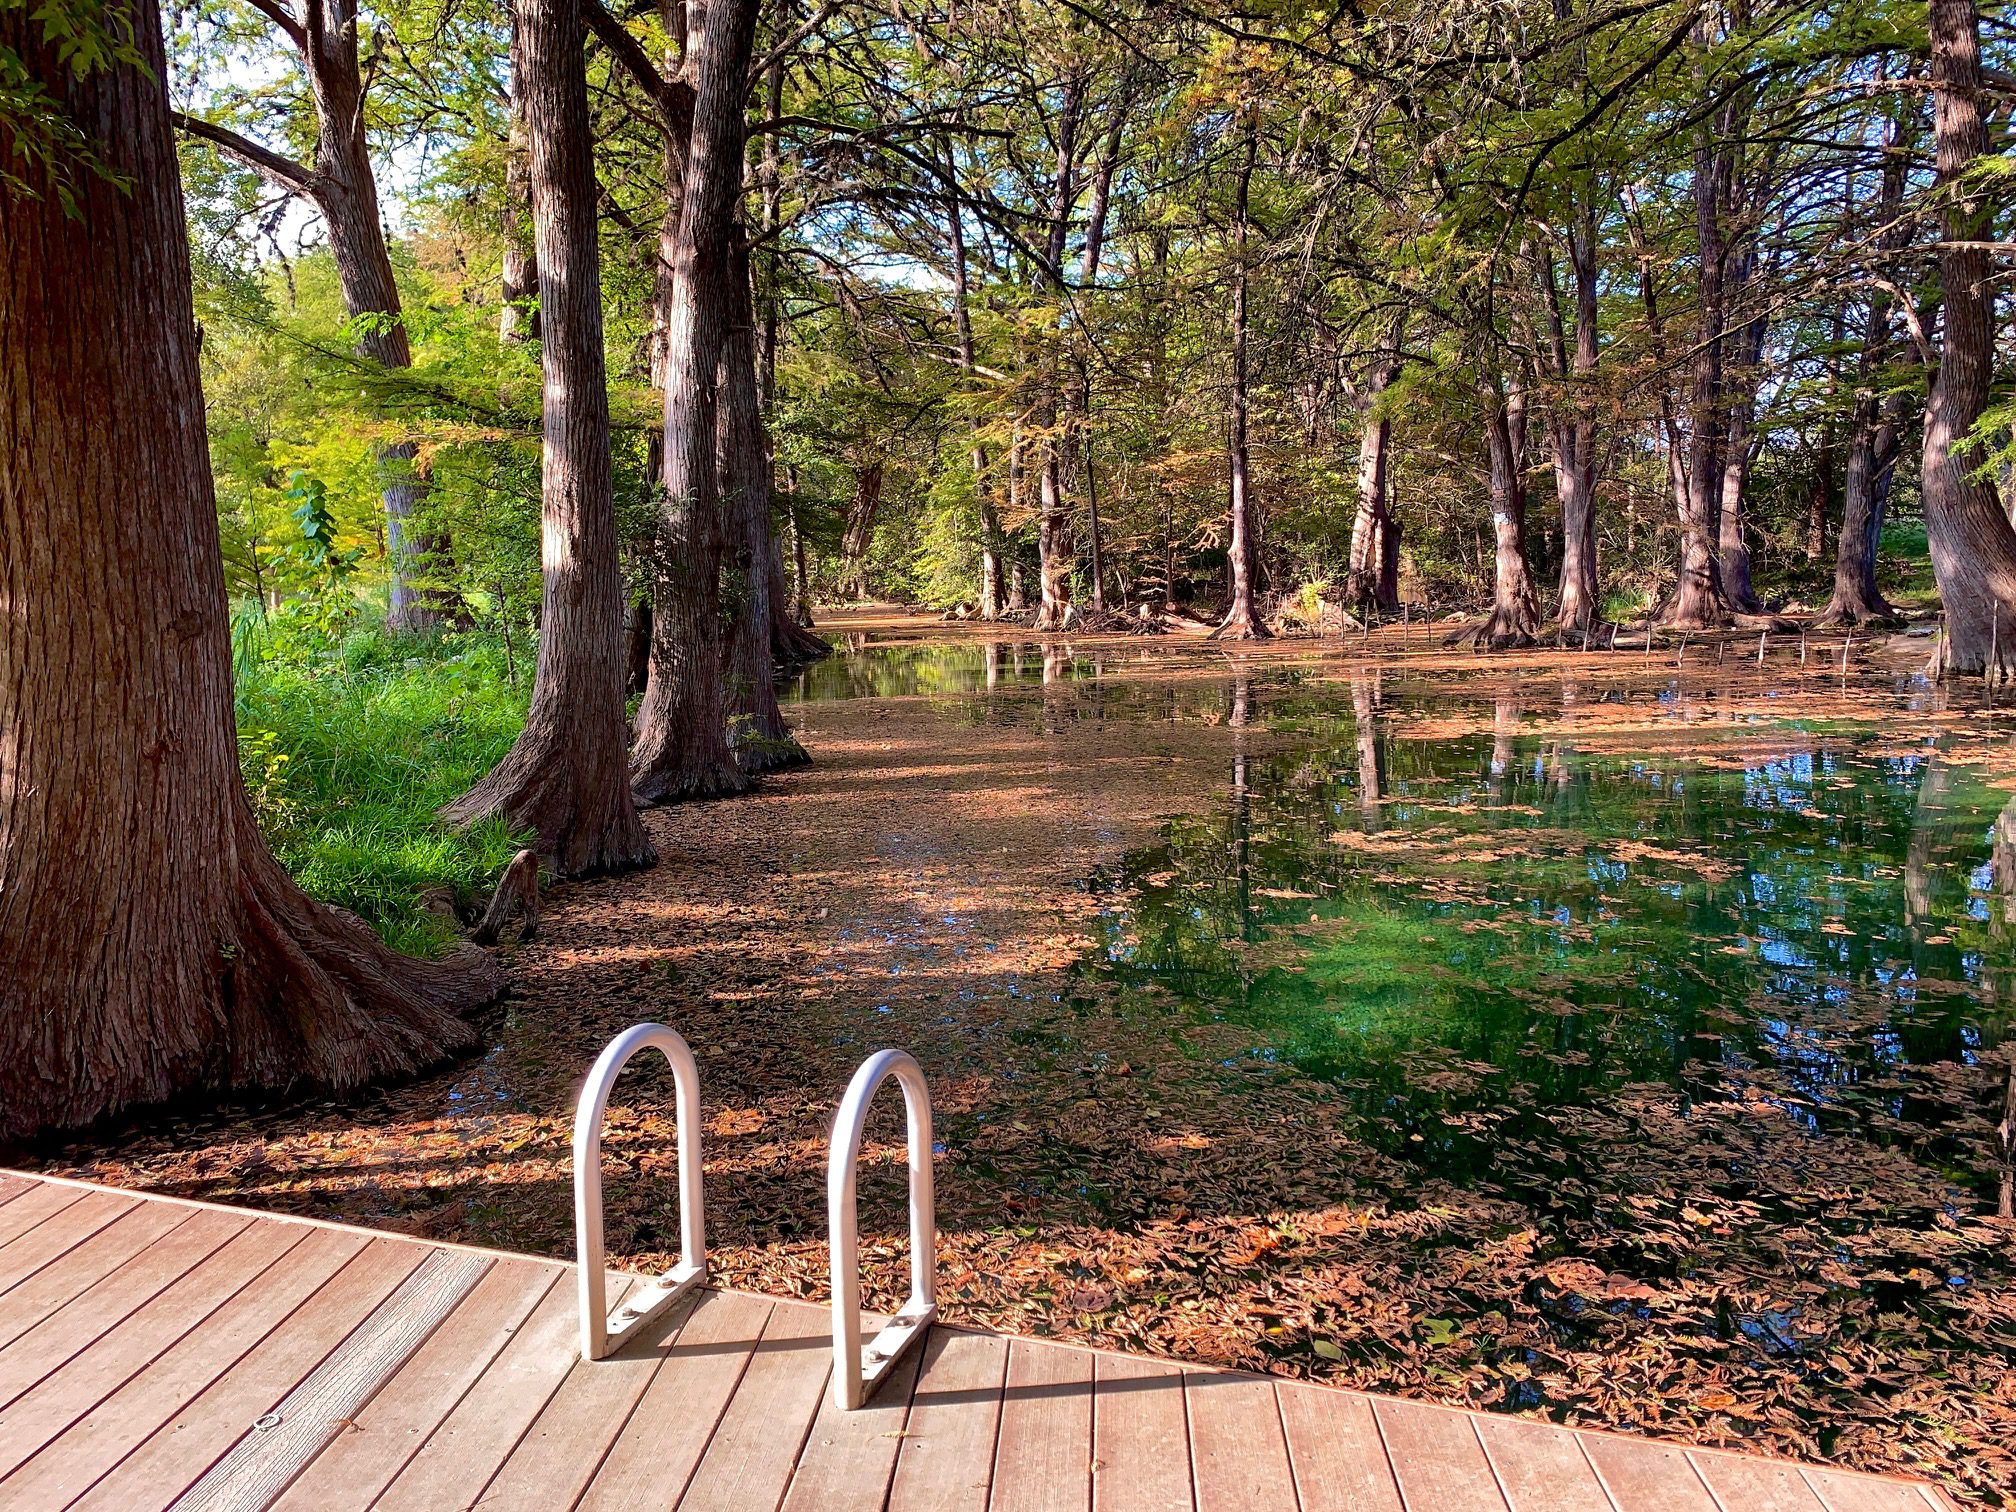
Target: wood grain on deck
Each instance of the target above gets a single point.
(159, 1354)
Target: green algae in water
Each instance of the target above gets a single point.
(1477, 937)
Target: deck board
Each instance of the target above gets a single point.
(1140, 1437)
(849, 1458)
(1334, 1444)
(158, 1354)
(1642, 1476)
(67, 1437)
(947, 1460)
(183, 1448)
(32, 1207)
(378, 1440)
(1043, 1458)
(55, 1286)
(756, 1443)
(22, 1257)
(654, 1456)
(1438, 1458)
(451, 1469)
(1238, 1451)
(1539, 1468)
(562, 1450)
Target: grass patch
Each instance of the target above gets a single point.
(350, 748)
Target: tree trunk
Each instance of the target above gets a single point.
(566, 777)
(1374, 532)
(763, 742)
(1241, 622)
(1580, 604)
(1018, 596)
(1973, 545)
(860, 534)
(150, 944)
(792, 643)
(1732, 547)
(1874, 425)
(682, 749)
(1515, 613)
(1745, 352)
(346, 191)
(1054, 536)
(1080, 437)
(1698, 599)
(518, 314)
(1820, 499)
(983, 502)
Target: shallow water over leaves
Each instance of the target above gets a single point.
(1622, 1044)
(1471, 929)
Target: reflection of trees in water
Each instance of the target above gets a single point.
(1365, 693)
(1591, 949)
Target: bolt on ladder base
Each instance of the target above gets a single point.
(649, 1302)
(880, 1354)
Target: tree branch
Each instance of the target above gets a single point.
(271, 165)
(283, 18)
(789, 44)
(672, 97)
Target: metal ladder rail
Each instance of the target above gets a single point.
(857, 1372)
(601, 1332)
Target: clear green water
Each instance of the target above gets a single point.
(1470, 933)
(1483, 933)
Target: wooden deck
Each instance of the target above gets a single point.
(157, 1353)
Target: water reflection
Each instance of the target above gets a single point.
(1468, 936)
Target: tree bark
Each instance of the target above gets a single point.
(1054, 536)
(1698, 599)
(1874, 426)
(1573, 432)
(1973, 545)
(1369, 581)
(962, 317)
(518, 313)
(1515, 613)
(792, 643)
(682, 749)
(860, 533)
(1741, 378)
(150, 944)
(342, 186)
(566, 778)
(763, 741)
(1241, 622)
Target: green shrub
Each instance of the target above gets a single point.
(349, 750)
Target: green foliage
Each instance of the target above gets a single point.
(46, 150)
(348, 749)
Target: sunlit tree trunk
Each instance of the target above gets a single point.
(343, 188)
(1572, 428)
(567, 778)
(682, 749)
(1698, 600)
(1241, 622)
(862, 509)
(983, 500)
(1372, 568)
(1973, 545)
(1732, 547)
(1515, 613)
(518, 316)
(792, 643)
(1055, 539)
(150, 944)
(1873, 428)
